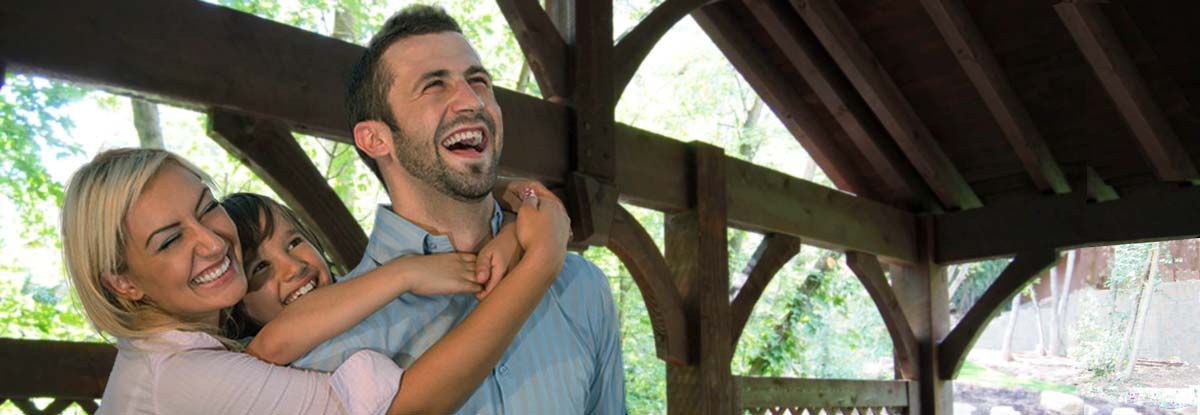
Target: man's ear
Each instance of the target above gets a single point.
(122, 286)
(374, 138)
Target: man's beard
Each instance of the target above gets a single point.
(470, 186)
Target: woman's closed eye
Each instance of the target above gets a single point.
(168, 241)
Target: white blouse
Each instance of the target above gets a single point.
(182, 373)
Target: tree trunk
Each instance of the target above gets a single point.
(783, 329)
(1063, 298)
(1055, 345)
(1006, 344)
(1146, 297)
(958, 275)
(145, 121)
(1037, 314)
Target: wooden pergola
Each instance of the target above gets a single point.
(955, 130)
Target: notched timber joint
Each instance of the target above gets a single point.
(591, 204)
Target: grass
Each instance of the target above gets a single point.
(974, 373)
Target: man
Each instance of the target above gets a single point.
(427, 124)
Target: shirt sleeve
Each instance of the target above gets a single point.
(206, 381)
(606, 394)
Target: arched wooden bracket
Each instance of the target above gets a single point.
(545, 49)
(773, 253)
(635, 44)
(630, 242)
(268, 148)
(592, 205)
(870, 273)
(953, 349)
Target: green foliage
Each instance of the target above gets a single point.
(31, 124)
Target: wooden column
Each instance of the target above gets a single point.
(698, 256)
(268, 148)
(921, 291)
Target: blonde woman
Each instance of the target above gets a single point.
(155, 262)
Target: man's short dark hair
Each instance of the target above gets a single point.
(366, 96)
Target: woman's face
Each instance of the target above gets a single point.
(285, 268)
(182, 249)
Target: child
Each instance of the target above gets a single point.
(284, 263)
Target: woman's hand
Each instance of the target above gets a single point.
(497, 258)
(449, 273)
(543, 227)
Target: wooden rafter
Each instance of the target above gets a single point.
(773, 87)
(772, 254)
(1116, 71)
(1097, 189)
(269, 150)
(976, 59)
(635, 44)
(697, 252)
(301, 83)
(857, 61)
(65, 370)
(1065, 222)
(545, 50)
(629, 241)
(952, 350)
(845, 105)
(870, 273)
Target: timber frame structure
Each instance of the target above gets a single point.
(956, 130)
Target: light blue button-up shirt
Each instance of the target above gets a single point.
(565, 360)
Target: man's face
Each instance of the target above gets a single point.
(450, 127)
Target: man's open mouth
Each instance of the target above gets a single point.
(466, 142)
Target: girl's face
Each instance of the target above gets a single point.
(181, 249)
(285, 268)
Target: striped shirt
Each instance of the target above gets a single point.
(565, 360)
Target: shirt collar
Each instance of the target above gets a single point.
(394, 236)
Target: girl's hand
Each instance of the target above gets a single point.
(437, 274)
(510, 193)
(497, 258)
(542, 223)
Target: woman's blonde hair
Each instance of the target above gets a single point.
(99, 196)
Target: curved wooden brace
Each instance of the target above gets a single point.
(635, 44)
(630, 242)
(953, 349)
(543, 45)
(772, 254)
(870, 273)
(268, 148)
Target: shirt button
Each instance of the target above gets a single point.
(503, 370)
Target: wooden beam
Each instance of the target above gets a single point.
(633, 46)
(759, 392)
(295, 76)
(269, 150)
(1117, 73)
(594, 149)
(68, 370)
(976, 59)
(545, 50)
(774, 89)
(1067, 222)
(870, 273)
(697, 252)
(952, 350)
(629, 241)
(1097, 189)
(847, 108)
(773, 253)
(857, 61)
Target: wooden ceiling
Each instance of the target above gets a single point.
(944, 105)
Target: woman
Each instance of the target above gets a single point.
(155, 262)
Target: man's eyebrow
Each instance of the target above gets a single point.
(475, 70)
(438, 73)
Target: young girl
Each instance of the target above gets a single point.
(155, 262)
(284, 262)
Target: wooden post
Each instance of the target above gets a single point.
(698, 256)
(921, 291)
(269, 149)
